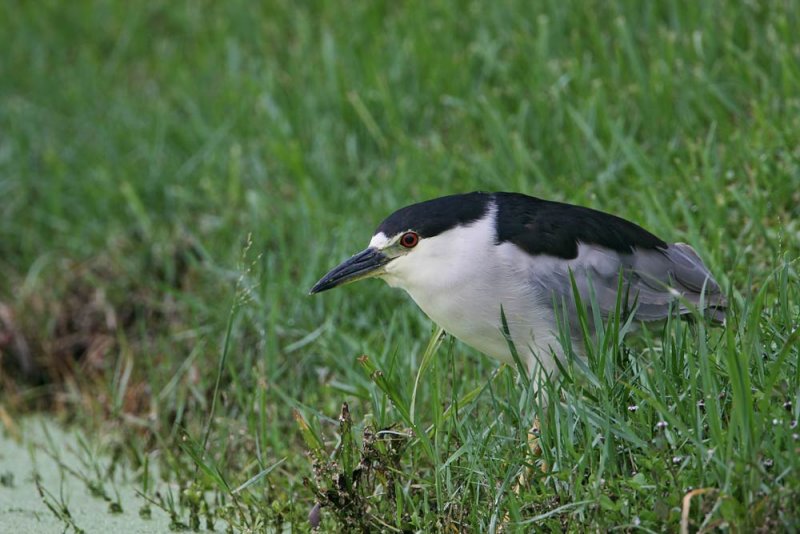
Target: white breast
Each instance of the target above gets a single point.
(461, 278)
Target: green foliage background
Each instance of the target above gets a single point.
(174, 176)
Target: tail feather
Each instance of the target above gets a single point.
(695, 282)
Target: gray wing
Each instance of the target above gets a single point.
(655, 282)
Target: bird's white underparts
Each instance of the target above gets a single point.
(464, 258)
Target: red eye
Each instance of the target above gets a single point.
(409, 239)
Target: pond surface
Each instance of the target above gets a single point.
(68, 495)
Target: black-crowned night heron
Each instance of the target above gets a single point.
(463, 258)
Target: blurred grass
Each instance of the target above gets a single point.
(165, 163)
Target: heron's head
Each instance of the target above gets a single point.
(418, 242)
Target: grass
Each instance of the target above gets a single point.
(175, 176)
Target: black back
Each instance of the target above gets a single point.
(554, 228)
(534, 225)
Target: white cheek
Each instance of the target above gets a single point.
(391, 281)
(441, 264)
(394, 272)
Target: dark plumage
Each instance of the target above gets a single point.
(536, 226)
(544, 227)
(432, 217)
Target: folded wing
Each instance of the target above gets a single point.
(655, 282)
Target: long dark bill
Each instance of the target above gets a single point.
(362, 265)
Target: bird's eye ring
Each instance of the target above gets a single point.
(409, 239)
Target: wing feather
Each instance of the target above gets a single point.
(655, 282)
